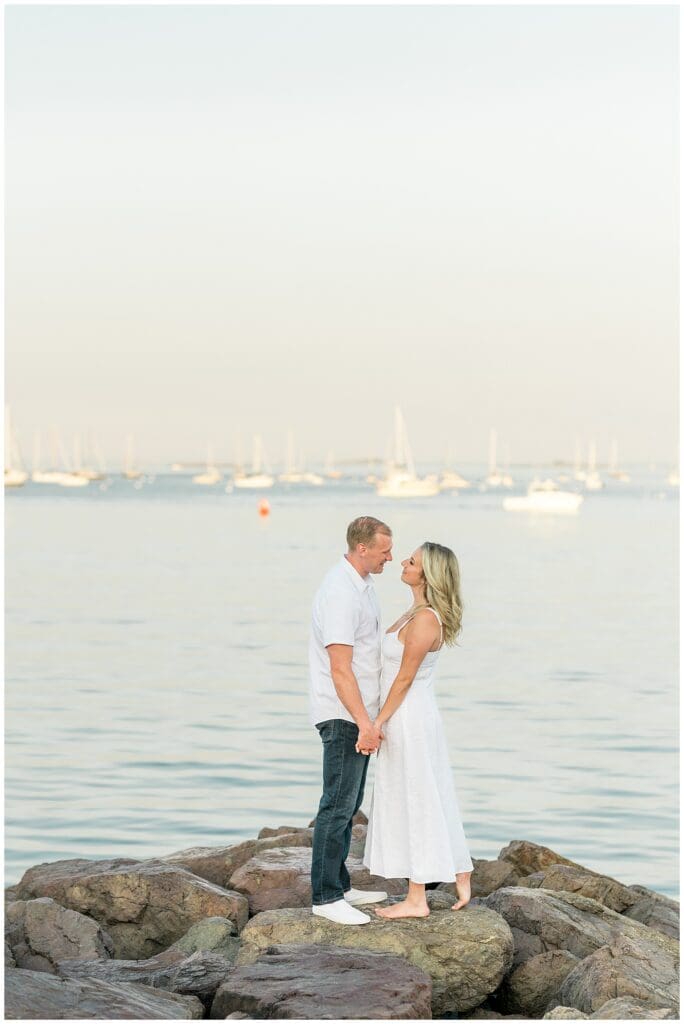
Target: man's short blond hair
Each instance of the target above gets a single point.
(363, 531)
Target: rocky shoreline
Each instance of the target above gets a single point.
(227, 932)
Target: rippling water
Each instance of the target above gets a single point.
(156, 677)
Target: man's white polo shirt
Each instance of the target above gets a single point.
(345, 611)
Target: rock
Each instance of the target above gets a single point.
(529, 989)
(655, 910)
(487, 876)
(35, 995)
(41, 932)
(625, 1008)
(644, 967)
(51, 877)
(10, 894)
(281, 830)
(197, 974)
(565, 1013)
(602, 888)
(529, 857)
(9, 956)
(211, 935)
(542, 920)
(326, 982)
(218, 864)
(282, 878)
(357, 846)
(145, 906)
(466, 953)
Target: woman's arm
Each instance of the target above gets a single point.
(421, 633)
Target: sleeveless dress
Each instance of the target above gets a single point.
(414, 822)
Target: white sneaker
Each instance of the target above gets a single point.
(340, 912)
(358, 896)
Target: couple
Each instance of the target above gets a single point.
(372, 692)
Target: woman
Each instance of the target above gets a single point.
(414, 827)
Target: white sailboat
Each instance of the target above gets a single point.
(400, 480)
(297, 474)
(211, 474)
(544, 496)
(93, 453)
(592, 480)
(257, 478)
(613, 471)
(579, 472)
(450, 480)
(129, 470)
(330, 469)
(65, 477)
(495, 478)
(15, 474)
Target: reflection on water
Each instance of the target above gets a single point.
(156, 693)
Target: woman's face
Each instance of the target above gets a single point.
(412, 569)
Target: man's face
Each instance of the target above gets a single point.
(376, 554)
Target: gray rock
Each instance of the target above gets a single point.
(655, 910)
(9, 956)
(281, 878)
(211, 935)
(528, 990)
(543, 920)
(40, 932)
(145, 906)
(281, 830)
(625, 1008)
(35, 995)
(321, 982)
(218, 864)
(644, 967)
(602, 888)
(197, 974)
(565, 1013)
(466, 953)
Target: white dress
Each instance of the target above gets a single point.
(414, 823)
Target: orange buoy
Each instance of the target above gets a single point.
(264, 508)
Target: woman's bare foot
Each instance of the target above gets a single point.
(404, 909)
(462, 889)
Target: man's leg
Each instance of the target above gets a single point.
(345, 880)
(343, 773)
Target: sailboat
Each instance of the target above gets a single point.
(63, 477)
(579, 473)
(297, 474)
(400, 480)
(330, 469)
(211, 474)
(15, 474)
(92, 451)
(613, 471)
(129, 472)
(450, 480)
(544, 496)
(257, 478)
(495, 478)
(592, 480)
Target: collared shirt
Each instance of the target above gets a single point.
(345, 611)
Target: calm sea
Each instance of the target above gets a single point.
(156, 677)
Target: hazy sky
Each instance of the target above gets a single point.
(227, 219)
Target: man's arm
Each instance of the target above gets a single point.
(347, 690)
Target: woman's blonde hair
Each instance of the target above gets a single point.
(443, 587)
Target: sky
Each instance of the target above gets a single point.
(223, 220)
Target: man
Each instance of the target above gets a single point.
(344, 697)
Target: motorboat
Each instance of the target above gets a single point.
(544, 496)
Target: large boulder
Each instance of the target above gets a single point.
(197, 974)
(565, 1013)
(282, 878)
(543, 920)
(41, 932)
(655, 910)
(218, 864)
(281, 830)
(528, 990)
(602, 888)
(318, 982)
(528, 857)
(36, 995)
(145, 906)
(625, 1008)
(466, 953)
(643, 968)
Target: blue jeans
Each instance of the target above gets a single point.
(344, 776)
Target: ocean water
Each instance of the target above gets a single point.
(156, 676)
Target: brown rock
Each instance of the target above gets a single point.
(626, 1008)
(529, 857)
(35, 995)
(644, 967)
(358, 819)
(318, 982)
(529, 989)
(487, 876)
(281, 830)
(565, 1013)
(41, 932)
(655, 910)
(605, 890)
(218, 864)
(145, 906)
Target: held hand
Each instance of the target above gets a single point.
(369, 739)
